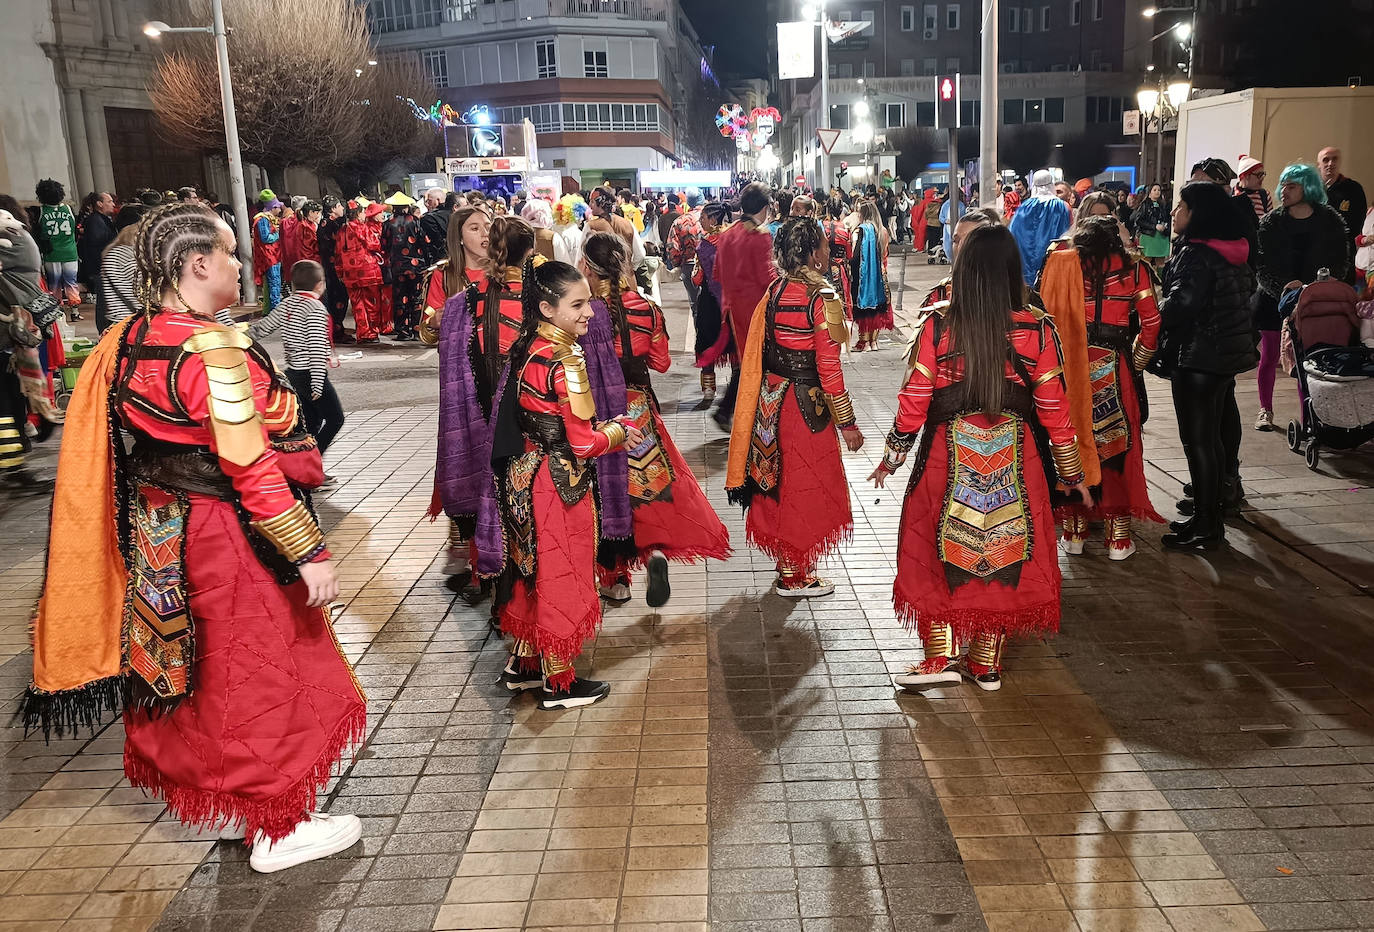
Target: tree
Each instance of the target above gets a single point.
(393, 139)
(1086, 155)
(1025, 147)
(917, 147)
(294, 65)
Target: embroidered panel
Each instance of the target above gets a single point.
(985, 530)
(765, 456)
(158, 619)
(519, 511)
(1110, 431)
(650, 473)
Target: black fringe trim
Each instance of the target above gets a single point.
(67, 712)
(612, 549)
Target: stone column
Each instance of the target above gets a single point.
(98, 139)
(73, 115)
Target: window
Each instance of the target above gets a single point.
(952, 65)
(930, 21)
(1097, 9)
(839, 116)
(1044, 19)
(1054, 110)
(1027, 19)
(594, 64)
(870, 69)
(970, 112)
(546, 58)
(952, 16)
(908, 67)
(1012, 111)
(908, 19)
(843, 70)
(930, 66)
(436, 65)
(1075, 12)
(1014, 19)
(867, 17)
(1034, 110)
(925, 113)
(894, 115)
(457, 11)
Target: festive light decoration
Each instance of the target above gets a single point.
(731, 120)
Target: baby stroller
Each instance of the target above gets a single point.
(1335, 371)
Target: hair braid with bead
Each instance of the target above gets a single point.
(165, 238)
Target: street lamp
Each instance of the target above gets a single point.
(238, 195)
(861, 108)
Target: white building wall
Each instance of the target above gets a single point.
(33, 144)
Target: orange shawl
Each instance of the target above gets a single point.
(1062, 291)
(77, 634)
(747, 404)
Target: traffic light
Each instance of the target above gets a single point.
(947, 101)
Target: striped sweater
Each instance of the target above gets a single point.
(304, 323)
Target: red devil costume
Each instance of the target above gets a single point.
(785, 466)
(976, 553)
(1109, 331)
(358, 260)
(173, 579)
(671, 513)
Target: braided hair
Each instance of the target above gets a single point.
(549, 282)
(607, 257)
(795, 243)
(1097, 239)
(509, 243)
(166, 237)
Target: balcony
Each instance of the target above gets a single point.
(393, 16)
(650, 10)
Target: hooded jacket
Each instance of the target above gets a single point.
(1205, 306)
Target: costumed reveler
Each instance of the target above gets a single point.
(872, 304)
(744, 268)
(976, 554)
(968, 222)
(544, 544)
(785, 466)
(358, 259)
(707, 312)
(474, 340)
(672, 518)
(1102, 300)
(841, 255)
(267, 249)
(188, 581)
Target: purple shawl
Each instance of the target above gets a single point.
(463, 468)
(612, 470)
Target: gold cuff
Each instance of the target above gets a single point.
(554, 666)
(1141, 356)
(1118, 528)
(1075, 526)
(1067, 462)
(615, 432)
(841, 409)
(429, 326)
(940, 643)
(1053, 373)
(293, 532)
(986, 650)
(523, 647)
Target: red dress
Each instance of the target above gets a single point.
(308, 234)
(795, 488)
(272, 703)
(290, 243)
(670, 511)
(549, 511)
(744, 268)
(976, 548)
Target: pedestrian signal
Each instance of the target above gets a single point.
(947, 101)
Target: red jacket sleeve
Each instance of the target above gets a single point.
(827, 350)
(1047, 379)
(913, 401)
(660, 356)
(1147, 308)
(584, 439)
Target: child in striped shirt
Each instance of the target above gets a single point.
(305, 325)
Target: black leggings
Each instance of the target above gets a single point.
(1230, 432)
(1200, 401)
(324, 416)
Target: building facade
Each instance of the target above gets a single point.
(612, 86)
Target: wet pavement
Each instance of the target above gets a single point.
(1194, 751)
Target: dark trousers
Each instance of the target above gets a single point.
(335, 297)
(324, 416)
(1230, 432)
(726, 409)
(1200, 401)
(405, 304)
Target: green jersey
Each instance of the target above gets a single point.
(59, 226)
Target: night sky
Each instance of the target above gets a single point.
(739, 31)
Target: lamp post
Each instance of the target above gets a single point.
(1160, 101)
(238, 195)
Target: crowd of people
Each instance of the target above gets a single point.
(184, 535)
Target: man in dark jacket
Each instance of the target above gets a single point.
(97, 232)
(434, 224)
(335, 294)
(1347, 196)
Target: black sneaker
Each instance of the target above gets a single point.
(580, 693)
(659, 589)
(517, 680)
(476, 594)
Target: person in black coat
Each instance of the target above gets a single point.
(434, 224)
(97, 232)
(1296, 239)
(335, 295)
(1207, 339)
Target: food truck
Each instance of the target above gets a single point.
(494, 158)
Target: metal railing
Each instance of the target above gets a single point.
(654, 10)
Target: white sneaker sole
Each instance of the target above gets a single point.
(1120, 553)
(807, 592)
(570, 702)
(946, 677)
(987, 687)
(349, 830)
(1072, 547)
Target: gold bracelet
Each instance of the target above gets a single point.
(1141, 356)
(1067, 462)
(615, 432)
(293, 532)
(841, 409)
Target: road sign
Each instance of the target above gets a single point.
(1130, 122)
(799, 180)
(828, 138)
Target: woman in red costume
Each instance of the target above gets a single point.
(707, 312)
(976, 554)
(672, 519)
(1103, 303)
(474, 340)
(358, 259)
(188, 580)
(785, 466)
(841, 254)
(544, 441)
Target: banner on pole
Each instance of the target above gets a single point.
(1130, 122)
(839, 30)
(796, 56)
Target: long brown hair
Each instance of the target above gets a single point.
(509, 241)
(455, 273)
(1097, 239)
(986, 286)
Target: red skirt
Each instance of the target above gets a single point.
(560, 608)
(921, 592)
(273, 703)
(810, 516)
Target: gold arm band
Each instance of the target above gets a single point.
(615, 432)
(1053, 373)
(841, 409)
(429, 325)
(293, 532)
(923, 369)
(1067, 462)
(1146, 293)
(1141, 356)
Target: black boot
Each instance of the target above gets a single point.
(1204, 532)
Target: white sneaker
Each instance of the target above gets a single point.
(1264, 420)
(1120, 553)
(457, 562)
(319, 836)
(922, 675)
(617, 593)
(1073, 545)
(815, 588)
